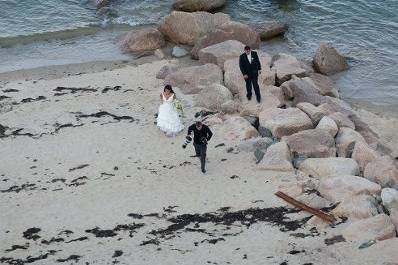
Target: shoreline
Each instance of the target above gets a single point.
(382, 123)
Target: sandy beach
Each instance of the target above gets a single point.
(87, 178)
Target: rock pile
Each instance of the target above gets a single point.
(314, 133)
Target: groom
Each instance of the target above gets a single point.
(201, 135)
(250, 67)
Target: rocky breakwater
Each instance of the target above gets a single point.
(190, 28)
(302, 125)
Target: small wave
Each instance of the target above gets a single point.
(8, 42)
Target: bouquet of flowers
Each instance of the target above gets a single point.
(178, 106)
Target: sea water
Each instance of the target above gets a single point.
(37, 33)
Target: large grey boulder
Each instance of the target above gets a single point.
(394, 220)
(277, 158)
(228, 31)
(230, 106)
(345, 141)
(313, 200)
(236, 128)
(143, 39)
(285, 66)
(251, 145)
(389, 197)
(166, 70)
(324, 84)
(220, 52)
(269, 30)
(342, 120)
(284, 122)
(328, 125)
(187, 28)
(191, 80)
(197, 5)
(383, 171)
(338, 188)
(302, 90)
(378, 227)
(331, 166)
(357, 207)
(312, 111)
(212, 97)
(363, 128)
(311, 143)
(363, 154)
(328, 61)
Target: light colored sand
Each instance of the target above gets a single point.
(133, 168)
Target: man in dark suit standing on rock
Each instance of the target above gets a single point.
(250, 67)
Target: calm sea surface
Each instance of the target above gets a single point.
(51, 32)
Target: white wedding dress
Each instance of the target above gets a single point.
(168, 119)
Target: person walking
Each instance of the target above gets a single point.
(201, 135)
(250, 66)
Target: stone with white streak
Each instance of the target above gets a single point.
(345, 141)
(331, 166)
(389, 197)
(338, 188)
(284, 122)
(277, 158)
(329, 125)
(357, 207)
(382, 170)
(363, 154)
(378, 227)
(221, 52)
(285, 66)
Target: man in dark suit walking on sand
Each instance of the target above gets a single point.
(250, 66)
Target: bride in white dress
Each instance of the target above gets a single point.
(168, 119)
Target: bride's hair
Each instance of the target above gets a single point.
(168, 87)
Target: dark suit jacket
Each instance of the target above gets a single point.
(247, 68)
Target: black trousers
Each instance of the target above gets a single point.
(200, 150)
(253, 80)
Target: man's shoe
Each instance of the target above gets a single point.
(249, 97)
(203, 171)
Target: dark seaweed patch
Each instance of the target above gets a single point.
(135, 215)
(15, 247)
(10, 90)
(213, 241)
(74, 90)
(31, 233)
(131, 228)
(294, 252)
(3, 97)
(108, 88)
(52, 240)
(101, 233)
(27, 100)
(334, 240)
(58, 127)
(117, 253)
(77, 239)
(17, 189)
(74, 258)
(29, 259)
(153, 241)
(105, 113)
(247, 217)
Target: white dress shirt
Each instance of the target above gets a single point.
(249, 57)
